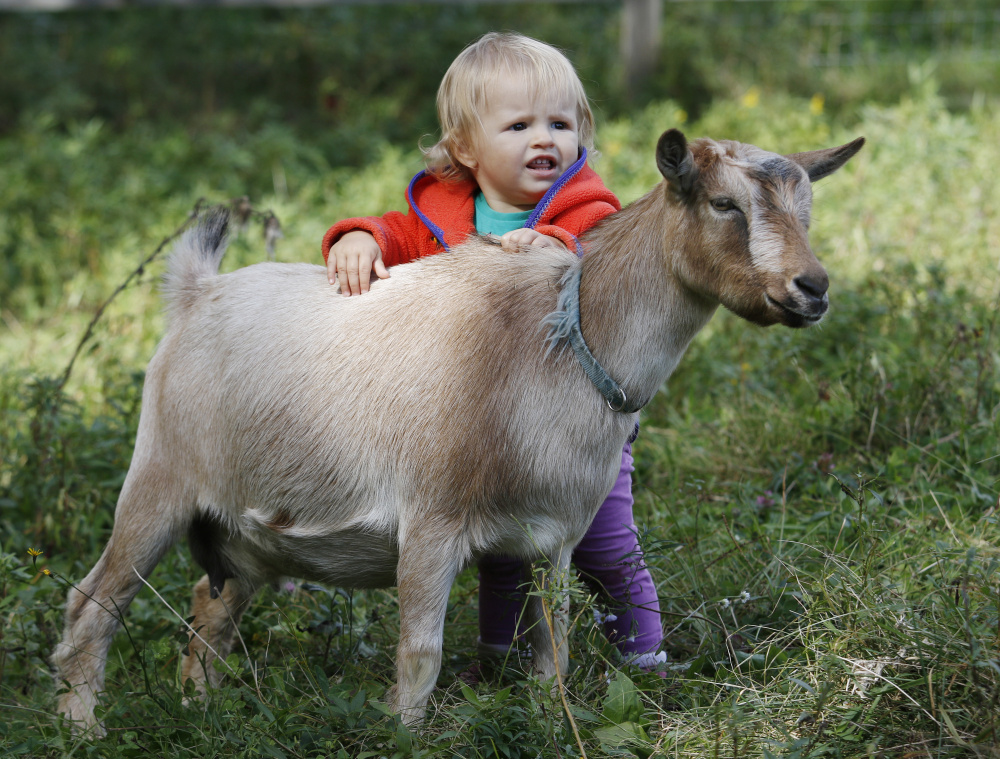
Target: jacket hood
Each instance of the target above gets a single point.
(426, 194)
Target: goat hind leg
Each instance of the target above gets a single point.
(95, 606)
(216, 621)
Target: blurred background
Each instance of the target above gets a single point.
(251, 100)
(311, 67)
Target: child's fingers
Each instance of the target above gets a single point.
(513, 240)
(544, 241)
(364, 272)
(352, 267)
(347, 273)
(353, 279)
(369, 261)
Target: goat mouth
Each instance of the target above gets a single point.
(795, 318)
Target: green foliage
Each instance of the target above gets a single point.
(352, 75)
(349, 76)
(110, 120)
(623, 709)
(819, 508)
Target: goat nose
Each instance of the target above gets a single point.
(814, 287)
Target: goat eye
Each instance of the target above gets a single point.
(723, 204)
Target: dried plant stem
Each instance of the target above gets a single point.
(547, 612)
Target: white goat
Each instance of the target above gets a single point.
(287, 433)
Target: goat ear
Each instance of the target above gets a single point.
(822, 163)
(675, 161)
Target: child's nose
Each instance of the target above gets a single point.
(542, 136)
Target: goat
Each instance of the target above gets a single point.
(288, 435)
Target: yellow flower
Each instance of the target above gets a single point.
(46, 571)
(752, 98)
(32, 552)
(816, 104)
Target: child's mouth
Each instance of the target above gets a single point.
(542, 164)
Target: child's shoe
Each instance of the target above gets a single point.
(650, 662)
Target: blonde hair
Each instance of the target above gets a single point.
(486, 63)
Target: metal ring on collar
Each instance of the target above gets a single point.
(619, 405)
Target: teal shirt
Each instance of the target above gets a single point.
(490, 222)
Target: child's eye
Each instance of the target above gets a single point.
(519, 126)
(560, 125)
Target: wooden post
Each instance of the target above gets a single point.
(640, 40)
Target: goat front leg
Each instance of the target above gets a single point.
(425, 574)
(548, 616)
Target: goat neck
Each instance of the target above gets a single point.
(637, 317)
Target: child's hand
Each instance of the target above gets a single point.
(513, 240)
(351, 262)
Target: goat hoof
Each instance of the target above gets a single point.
(78, 713)
(81, 727)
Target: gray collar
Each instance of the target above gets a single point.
(564, 323)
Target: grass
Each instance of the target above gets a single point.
(819, 508)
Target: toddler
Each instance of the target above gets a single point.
(512, 162)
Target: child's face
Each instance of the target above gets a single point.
(526, 144)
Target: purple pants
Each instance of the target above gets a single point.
(609, 561)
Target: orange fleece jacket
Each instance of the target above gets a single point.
(442, 214)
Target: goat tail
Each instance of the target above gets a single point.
(195, 258)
